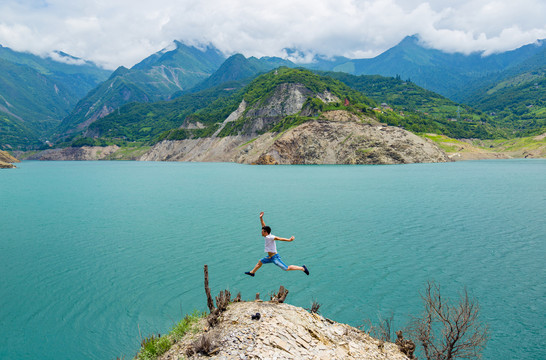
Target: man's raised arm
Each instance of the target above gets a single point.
(262, 218)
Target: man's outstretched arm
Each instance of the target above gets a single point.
(283, 239)
(262, 218)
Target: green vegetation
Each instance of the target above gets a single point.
(419, 110)
(200, 114)
(14, 134)
(447, 144)
(518, 103)
(153, 122)
(528, 143)
(36, 93)
(265, 84)
(534, 146)
(263, 88)
(154, 346)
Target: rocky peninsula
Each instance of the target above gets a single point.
(6, 160)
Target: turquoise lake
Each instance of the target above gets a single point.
(96, 255)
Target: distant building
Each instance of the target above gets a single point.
(385, 106)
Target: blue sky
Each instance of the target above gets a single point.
(123, 32)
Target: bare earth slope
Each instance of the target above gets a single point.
(283, 332)
(336, 138)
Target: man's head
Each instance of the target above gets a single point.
(266, 230)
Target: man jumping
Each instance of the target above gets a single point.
(271, 250)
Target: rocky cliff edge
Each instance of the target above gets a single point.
(282, 331)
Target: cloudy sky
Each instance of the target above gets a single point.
(123, 32)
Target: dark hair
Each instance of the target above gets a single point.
(267, 229)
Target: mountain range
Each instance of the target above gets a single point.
(36, 92)
(41, 98)
(155, 78)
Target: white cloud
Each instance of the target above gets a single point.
(123, 32)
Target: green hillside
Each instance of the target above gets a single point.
(36, 93)
(515, 98)
(144, 122)
(200, 114)
(15, 135)
(237, 67)
(518, 103)
(264, 87)
(420, 110)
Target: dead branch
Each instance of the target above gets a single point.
(222, 300)
(449, 331)
(407, 347)
(280, 296)
(210, 303)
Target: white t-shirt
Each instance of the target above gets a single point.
(270, 245)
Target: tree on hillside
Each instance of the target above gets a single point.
(448, 330)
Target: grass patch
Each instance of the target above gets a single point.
(346, 139)
(155, 346)
(517, 144)
(445, 143)
(364, 151)
(129, 153)
(187, 324)
(249, 142)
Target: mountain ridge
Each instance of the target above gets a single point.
(155, 78)
(476, 78)
(36, 93)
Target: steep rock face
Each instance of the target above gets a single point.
(287, 99)
(283, 331)
(327, 142)
(223, 149)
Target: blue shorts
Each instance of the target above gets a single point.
(276, 259)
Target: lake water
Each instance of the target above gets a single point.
(96, 255)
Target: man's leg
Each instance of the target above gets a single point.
(253, 271)
(277, 260)
(294, 267)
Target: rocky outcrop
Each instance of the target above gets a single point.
(338, 138)
(281, 331)
(6, 160)
(287, 99)
(327, 142)
(5, 165)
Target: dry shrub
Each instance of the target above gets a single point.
(205, 345)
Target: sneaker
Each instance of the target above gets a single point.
(249, 273)
(305, 270)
